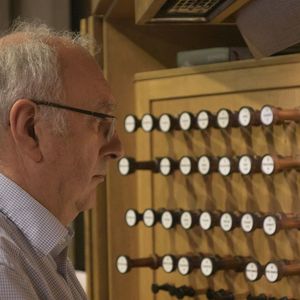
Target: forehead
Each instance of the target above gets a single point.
(83, 81)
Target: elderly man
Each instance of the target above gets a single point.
(57, 136)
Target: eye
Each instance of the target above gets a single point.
(102, 123)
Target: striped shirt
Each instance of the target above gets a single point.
(33, 250)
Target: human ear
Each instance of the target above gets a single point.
(22, 118)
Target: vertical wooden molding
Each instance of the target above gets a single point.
(88, 254)
(95, 220)
(95, 30)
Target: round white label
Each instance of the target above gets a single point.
(168, 263)
(224, 166)
(244, 116)
(205, 220)
(185, 165)
(204, 165)
(167, 219)
(206, 266)
(165, 166)
(271, 272)
(149, 217)
(267, 165)
(131, 217)
(122, 264)
(247, 222)
(186, 220)
(251, 271)
(269, 225)
(124, 166)
(226, 222)
(147, 123)
(185, 121)
(165, 123)
(130, 123)
(183, 266)
(203, 120)
(266, 115)
(245, 165)
(223, 118)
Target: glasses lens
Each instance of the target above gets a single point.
(112, 129)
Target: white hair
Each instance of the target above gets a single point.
(30, 68)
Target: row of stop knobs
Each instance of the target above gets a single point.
(205, 165)
(206, 220)
(224, 118)
(209, 265)
(186, 291)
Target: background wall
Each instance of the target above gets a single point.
(59, 14)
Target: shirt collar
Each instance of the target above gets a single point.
(42, 229)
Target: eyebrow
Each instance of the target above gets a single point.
(107, 106)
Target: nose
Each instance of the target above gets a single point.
(115, 147)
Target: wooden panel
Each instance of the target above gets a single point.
(123, 58)
(146, 9)
(277, 84)
(95, 220)
(129, 49)
(237, 193)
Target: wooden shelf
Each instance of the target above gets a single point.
(232, 65)
(147, 11)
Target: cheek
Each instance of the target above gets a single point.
(86, 160)
(82, 155)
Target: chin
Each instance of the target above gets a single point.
(87, 202)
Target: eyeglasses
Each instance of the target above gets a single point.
(98, 115)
